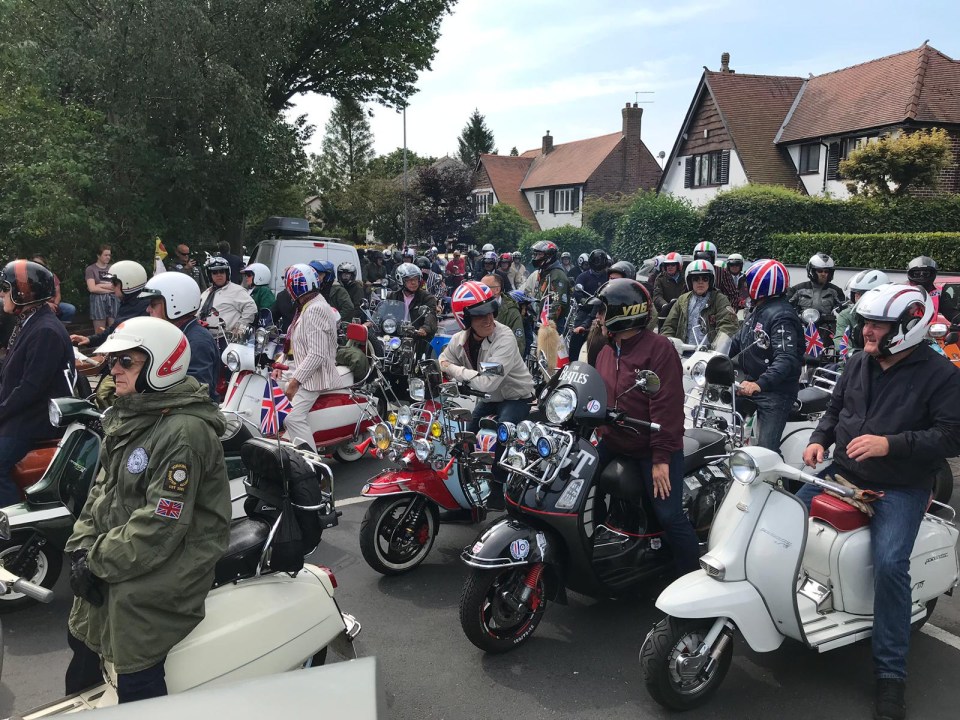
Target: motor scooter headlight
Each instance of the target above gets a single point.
(382, 436)
(231, 358)
(506, 432)
(54, 413)
(404, 415)
(699, 372)
(390, 326)
(418, 389)
(561, 405)
(743, 468)
(524, 431)
(422, 449)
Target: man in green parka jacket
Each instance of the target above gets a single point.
(156, 521)
(509, 312)
(702, 301)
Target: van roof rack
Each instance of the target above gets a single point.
(289, 226)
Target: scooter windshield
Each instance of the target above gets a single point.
(72, 471)
(389, 314)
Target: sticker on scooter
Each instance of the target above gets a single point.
(542, 543)
(593, 406)
(655, 543)
(137, 462)
(477, 547)
(519, 549)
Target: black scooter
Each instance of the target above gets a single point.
(557, 534)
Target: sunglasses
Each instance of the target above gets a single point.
(126, 362)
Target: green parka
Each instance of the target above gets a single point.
(721, 317)
(155, 524)
(263, 296)
(509, 315)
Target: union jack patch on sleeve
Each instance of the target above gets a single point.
(169, 508)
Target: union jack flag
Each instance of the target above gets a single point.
(844, 347)
(814, 343)
(169, 508)
(486, 440)
(545, 310)
(273, 409)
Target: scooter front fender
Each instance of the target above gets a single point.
(697, 595)
(426, 482)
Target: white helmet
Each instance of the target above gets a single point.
(820, 261)
(167, 349)
(907, 307)
(735, 258)
(487, 248)
(261, 273)
(866, 280)
(180, 293)
(131, 276)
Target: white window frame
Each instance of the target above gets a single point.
(563, 201)
(538, 202)
(484, 202)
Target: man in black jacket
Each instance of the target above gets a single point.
(39, 366)
(894, 415)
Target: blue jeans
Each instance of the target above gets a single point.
(67, 312)
(773, 409)
(84, 672)
(893, 531)
(12, 451)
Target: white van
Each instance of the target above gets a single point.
(290, 242)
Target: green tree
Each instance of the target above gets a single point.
(895, 165)
(603, 214)
(656, 224)
(347, 148)
(391, 164)
(441, 205)
(475, 140)
(574, 240)
(503, 227)
(514, 152)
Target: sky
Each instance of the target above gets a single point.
(569, 67)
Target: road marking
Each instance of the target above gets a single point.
(941, 635)
(353, 500)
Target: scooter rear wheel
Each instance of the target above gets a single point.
(488, 617)
(943, 483)
(46, 570)
(379, 544)
(668, 644)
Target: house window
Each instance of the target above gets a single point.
(564, 201)
(538, 202)
(810, 158)
(484, 201)
(710, 168)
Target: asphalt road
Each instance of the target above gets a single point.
(581, 662)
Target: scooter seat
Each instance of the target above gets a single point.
(810, 400)
(247, 538)
(621, 479)
(699, 444)
(838, 514)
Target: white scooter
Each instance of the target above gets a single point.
(258, 621)
(771, 573)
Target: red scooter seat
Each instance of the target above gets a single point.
(838, 514)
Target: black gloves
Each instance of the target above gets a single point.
(83, 582)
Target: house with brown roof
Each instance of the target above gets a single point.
(547, 186)
(793, 132)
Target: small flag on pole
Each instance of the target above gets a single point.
(844, 347)
(814, 343)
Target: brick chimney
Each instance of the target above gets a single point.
(725, 63)
(632, 115)
(547, 144)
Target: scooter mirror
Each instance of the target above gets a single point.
(4, 526)
(648, 382)
(937, 330)
(720, 371)
(761, 339)
(491, 368)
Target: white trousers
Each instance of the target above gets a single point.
(297, 423)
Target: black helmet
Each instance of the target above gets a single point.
(544, 254)
(627, 304)
(422, 262)
(627, 269)
(598, 260)
(922, 270)
(343, 270)
(27, 282)
(397, 257)
(218, 264)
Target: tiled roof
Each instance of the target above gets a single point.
(753, 108)
(921, 84)
(571, 163)
(506, 172)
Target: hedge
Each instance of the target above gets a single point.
(743, 220)
(656, 224)
(866, 250)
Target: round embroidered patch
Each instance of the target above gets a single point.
(137, 462)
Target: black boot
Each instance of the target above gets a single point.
(890, 701)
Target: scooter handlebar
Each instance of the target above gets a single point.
(467, 390)
(644, 424)
(841, 490)
(40, 594)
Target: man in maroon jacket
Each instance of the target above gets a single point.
(659, 455)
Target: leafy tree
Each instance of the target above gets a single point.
(514, 152)
(603, 214)
(896, 165)
(655, 224)
(391, 164)
(386, 209)
(574, 240)
(442, 206)
(503, 227)
(475, 140)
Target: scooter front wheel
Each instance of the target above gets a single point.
(43, 571)
(392, 544)
(675, 676)
(491, 615)
(347, 452)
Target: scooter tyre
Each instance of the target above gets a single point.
(943, 483)
(480, 602)
(931, 606)
(657, 660)
(391, 562)
(49, 565)
(346, 452)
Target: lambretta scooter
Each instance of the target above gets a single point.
(570, 524)
(771, 572)
(264, 615)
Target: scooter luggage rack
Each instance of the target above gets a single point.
(551, 465)
(736, 432)
(420, 421)
(825, 378)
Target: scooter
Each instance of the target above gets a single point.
(444, 473)
(259, 619)
(771, 573)
(559, 532)
(339, 418)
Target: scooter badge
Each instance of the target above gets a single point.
(137, 462)
(519, 549)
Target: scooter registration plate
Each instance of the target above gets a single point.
(717, 472)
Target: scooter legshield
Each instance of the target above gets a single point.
(424, 481)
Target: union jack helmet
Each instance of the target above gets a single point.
(300, 280)
(473, 297)
(766, 278)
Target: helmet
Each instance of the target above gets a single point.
(521, 297)
(27, 282)
(487, 248)
(922, 270)
(598, 260)
(672, 258)
(406, 271)
(698, 268)
(131, 276)
(409, 253)
(261, 273)
(766, 278)
(627, 304)
(565, 256)
(907, 307)
(301, 280)
(734, 258)
(473, 298)
(820, 261)
(506, 258)
(583, 260)
(627, 269)
(705, 250)
(397, 257)
(216, 263)
(544, 254)
(325, 271)
(866, 280)
(423, 262)
(490, 257)
(180, 293)
(344, 269)
(167, 349)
